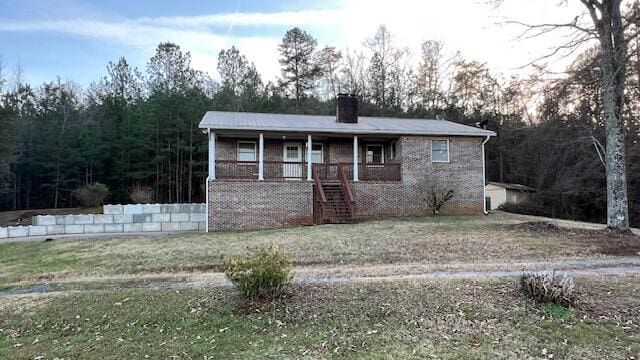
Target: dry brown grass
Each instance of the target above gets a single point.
(432, 240)
(26, 303)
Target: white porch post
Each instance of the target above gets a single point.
(355, 158)
(212, 173)
(309, 147)
(212, 155)
(261, 157)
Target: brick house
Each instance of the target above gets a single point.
(276, 170)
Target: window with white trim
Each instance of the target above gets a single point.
(293, 152)
(317, 154)
(440, 151)
(393, 150)
(246, 151)
(375, 154)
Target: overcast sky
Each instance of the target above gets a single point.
(75, 39)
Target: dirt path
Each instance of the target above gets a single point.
(614, 266)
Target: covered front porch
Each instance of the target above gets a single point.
(265, 156)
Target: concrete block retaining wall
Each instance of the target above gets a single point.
(116, 219)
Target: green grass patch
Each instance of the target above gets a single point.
(555, 311)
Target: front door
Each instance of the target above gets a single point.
(292, 166)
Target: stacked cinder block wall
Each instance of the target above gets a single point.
(116, 219)
(238, 205)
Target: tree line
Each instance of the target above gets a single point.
(140, 127)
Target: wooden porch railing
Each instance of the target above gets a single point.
(366, 171)
(279, 170)
(273, 170)
(346, 189)
(232, 169)
(383, 172)
(319, 198)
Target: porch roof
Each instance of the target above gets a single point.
(222, 120)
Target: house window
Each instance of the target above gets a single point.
(246, 151)
(317, 154)
(393, 150)
(375, 154)
(440, 151)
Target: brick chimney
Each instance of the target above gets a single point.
(347, 108)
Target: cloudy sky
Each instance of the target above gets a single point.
(75, 39)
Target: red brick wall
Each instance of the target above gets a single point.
(243, 205)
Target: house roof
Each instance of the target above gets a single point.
(221, 120)
(512, 186)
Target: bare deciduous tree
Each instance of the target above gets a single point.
(432, 70)
(329, 61)
(353, 74)
(385, 56)
(608, 28)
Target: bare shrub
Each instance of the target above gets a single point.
(261, 274)
(141, 194)
(92, 195)
(545, 288)
(436, 196)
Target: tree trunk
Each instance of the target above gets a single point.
(613, 60)
(178, 164)
(57, 186)
(190, 176)
(501, 166)
(16, 178)
(157, 159)
(28, 200)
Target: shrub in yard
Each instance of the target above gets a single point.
(525, 208)
(436, 196)
(261, 274)
(92, 195)
(549, 288)
(141, 194)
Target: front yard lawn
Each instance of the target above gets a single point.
(448, 319)
(431, 239)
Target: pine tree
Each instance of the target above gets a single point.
(299, 68)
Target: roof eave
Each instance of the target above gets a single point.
(353, 132)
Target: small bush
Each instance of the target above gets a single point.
(92, 195)
(549, 288)
(525, 208)
(436, 196)
(261, 274)
(141, 194)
